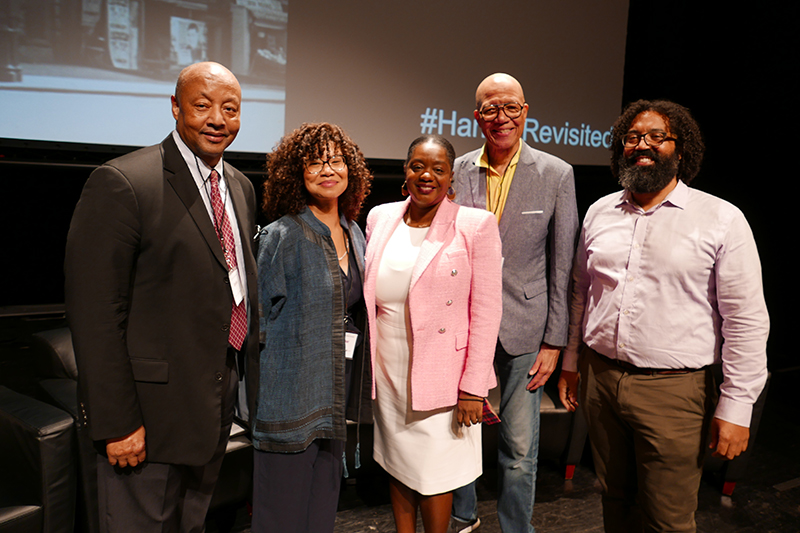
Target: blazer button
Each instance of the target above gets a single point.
(442, 330)
(453, 272)
(218, 376)
(226, 327)
(449, 302)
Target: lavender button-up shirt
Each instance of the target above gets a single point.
(678, 286)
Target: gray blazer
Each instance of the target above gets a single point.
(538, 230)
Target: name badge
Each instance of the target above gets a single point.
(350, 340)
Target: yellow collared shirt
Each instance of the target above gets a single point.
(497, 186)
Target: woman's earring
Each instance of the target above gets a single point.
(451, 192)
(404, 189)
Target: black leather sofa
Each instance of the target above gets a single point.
(37, 466)
(55, 364)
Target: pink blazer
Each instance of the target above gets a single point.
(455, 301)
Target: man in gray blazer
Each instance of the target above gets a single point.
(161, 299)
(533, 196)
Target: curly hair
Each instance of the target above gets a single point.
(681, 124)
(285, 190)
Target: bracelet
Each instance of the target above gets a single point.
(471, 399)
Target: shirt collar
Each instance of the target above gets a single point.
(193, 162)
(677, 197)
(483, 157)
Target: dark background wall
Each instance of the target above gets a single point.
(735, 69)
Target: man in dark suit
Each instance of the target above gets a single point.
(532, 193)
(161, 299)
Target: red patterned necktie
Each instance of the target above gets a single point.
(222, 225)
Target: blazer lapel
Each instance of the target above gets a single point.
(179, 177)
(442, 227)
(477, 183)
(524, 176)
(381, 233)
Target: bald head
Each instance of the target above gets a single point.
(207, 70)
(206, 109)
(498, 82)
(503, 133)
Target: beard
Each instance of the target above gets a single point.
(647, 179)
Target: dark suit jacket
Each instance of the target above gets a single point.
(538, 230)
(149, 302)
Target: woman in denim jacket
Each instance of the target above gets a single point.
(312, 367)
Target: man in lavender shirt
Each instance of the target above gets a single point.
(667, 281)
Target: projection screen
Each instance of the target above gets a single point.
(102, 71)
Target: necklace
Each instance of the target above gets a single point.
(346, 247)
(407, 220)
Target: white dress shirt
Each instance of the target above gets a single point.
(201, 172)
(678, 286)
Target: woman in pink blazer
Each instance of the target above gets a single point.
(433, 291)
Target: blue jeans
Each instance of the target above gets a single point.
(465, 503)
(517, 449)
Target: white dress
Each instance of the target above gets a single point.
(425, 450)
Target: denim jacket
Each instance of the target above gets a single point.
(301, 391)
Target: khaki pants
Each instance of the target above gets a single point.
(648, 433)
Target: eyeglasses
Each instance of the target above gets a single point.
(490, 111)
(651, 138)
(337, 164)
